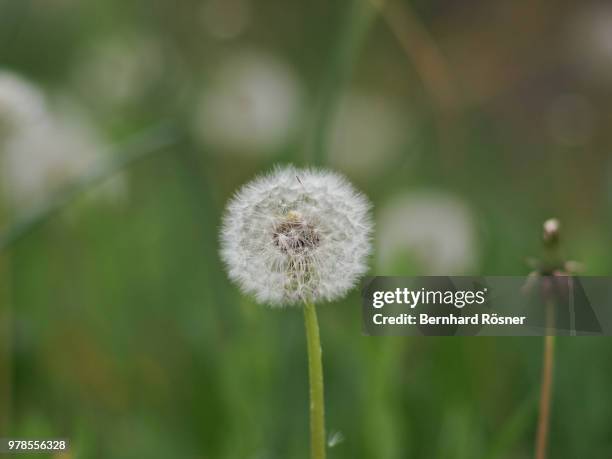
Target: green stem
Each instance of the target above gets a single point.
(315, 374)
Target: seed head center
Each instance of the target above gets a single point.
(295, 236)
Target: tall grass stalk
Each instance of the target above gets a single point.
(344, 54)
(6, 344)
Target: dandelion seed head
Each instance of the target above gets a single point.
(296, 235)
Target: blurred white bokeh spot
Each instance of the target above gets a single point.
(368, 133)
(21, 103)
(590, 41)
(251, 106)
(435, 230)
(49, 150)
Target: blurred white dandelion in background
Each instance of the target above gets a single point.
(251, 106)
(22, 104)
(368, 133)
(590, 41)
(46, 150)
(295, 236)
(434, 229)
(51, 156)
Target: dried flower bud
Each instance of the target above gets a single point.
(551, 229)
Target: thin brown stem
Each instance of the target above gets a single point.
(546, 388)
(422, 50)
(431, 66)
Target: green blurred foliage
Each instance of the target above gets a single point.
(122, 333)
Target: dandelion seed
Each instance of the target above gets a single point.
(335, 439)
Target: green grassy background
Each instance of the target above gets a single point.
(121, 332)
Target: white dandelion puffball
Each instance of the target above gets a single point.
(435, 229)
(296, 235)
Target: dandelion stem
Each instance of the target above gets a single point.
(315, 374)
(546, 388)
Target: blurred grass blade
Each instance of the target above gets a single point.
(352, 36)
(141, 145)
